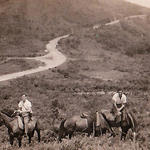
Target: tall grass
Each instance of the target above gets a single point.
(82, 143)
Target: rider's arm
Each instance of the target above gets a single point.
(20, 106)
(121, 107)
(115, 105)
(114, 101)
(124, 102)
(29, 107)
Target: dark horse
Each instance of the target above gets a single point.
(14, 130)
(125, 120)
(80, 124)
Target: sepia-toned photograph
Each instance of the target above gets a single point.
(74, 74)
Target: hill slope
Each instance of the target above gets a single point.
(27, 24)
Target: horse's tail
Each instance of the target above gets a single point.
(133, 124)
(38, 125)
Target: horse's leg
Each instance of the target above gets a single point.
(39, 135)
(37, 129)
(134, 136)
(124, 133)
(32, 134)
(11, 139)
(19, 141)
(90, 133)
(29, 137)
(60, 136)
(70, 134)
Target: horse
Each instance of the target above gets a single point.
(13, 128)
(82, 124)
(125, 121)
(12, 123)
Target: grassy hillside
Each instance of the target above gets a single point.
(26, 25)
(17, 65)
(61, 88)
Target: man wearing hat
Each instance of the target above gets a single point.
(25, 109)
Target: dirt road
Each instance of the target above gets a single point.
(145, 3)
(118, 21)
(53, 59)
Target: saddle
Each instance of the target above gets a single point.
(20, 122)
(84, 115)
(108, 114)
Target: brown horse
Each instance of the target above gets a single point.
(86, 124)
(15, 131)
(125, 120)
(13, 128)
(75, 123)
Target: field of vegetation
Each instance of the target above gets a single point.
(16, 65)
(99, 62)
(45, 94)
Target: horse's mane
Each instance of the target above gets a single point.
(8, 118)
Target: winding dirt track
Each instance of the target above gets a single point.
(53, 59)
(118, 21)
(144, 3)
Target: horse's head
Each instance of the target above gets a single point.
(8, 112)
(5, 112)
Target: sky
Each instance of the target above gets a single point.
(145, 3)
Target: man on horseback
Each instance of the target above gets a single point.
(119, 102)
(25, 109)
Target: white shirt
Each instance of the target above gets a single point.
(26, 106)
(119, 100)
